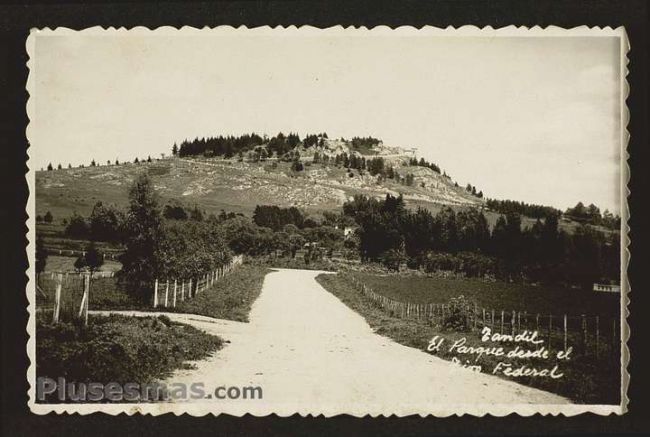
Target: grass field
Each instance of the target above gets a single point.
(585, 379)
(494, 295)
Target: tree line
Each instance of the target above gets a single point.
(231, 145)
(522, 208)
(580, 213)
(591, 214)
(462, 241)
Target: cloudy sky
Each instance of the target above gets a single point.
(525, 118)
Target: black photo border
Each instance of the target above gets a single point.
(17, 19)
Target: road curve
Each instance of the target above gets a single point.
(311, 354)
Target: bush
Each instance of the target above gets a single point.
(470, 264)
(118, 349)
(459, 316)
(106, 222)
(77, 227)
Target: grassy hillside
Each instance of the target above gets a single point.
(216, 184)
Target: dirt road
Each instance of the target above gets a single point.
(310, 353)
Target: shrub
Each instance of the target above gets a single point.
(459, 316)
(77, 227)
(118, 349)
(106, 222)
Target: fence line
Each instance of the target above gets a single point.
(585, 331)
(107, 254)
(194, 285)
(167, 293)
(80, 274)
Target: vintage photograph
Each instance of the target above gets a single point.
(328, 221)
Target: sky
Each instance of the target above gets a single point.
(525, 118)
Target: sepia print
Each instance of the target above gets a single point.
(328, 221)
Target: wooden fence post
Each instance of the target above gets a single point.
(174, 302)
(550, 329)
(526, 320)
(565, 332)
(512, 323)
(57, 299)
(183, 291)
(189, 290)
(502, 314)
(155, 294)
(166, 292)
(83, 310)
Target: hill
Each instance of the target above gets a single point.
(240, 183)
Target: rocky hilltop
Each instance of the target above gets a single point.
(318, 177)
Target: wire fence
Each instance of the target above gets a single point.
(167, 292)
(587, 335)
(68, 294)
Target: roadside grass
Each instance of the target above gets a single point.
(585, 379)
(118, 349)
(230, 298)
(496, 295)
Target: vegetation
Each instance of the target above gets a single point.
(424, 163)
(118, 349)
(229, 146)
(591, 215)
(585, 379)
(157, 249)
(276, 218)
(541, 253)
(91, 260)
(230, 298)
(143, 232)
(522, 208)
(495, 295)
(41, 255)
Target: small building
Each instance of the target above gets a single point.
(607, 288)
